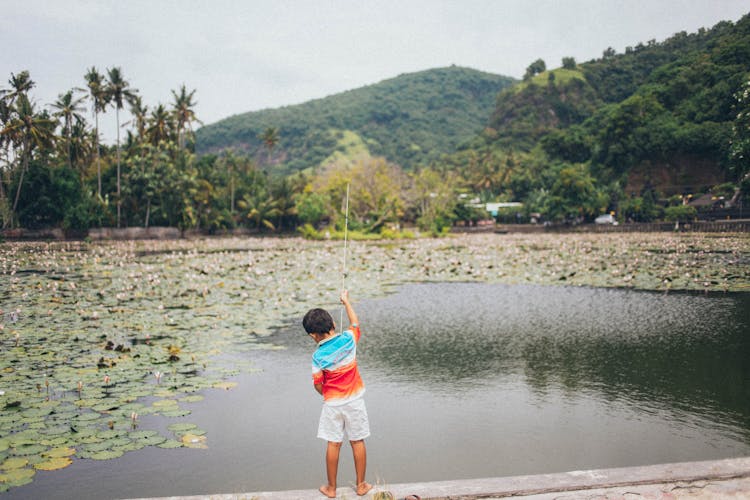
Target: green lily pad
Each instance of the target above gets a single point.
(17, 477)
(97, 447)
(58, 441)
(192, 399)
(142, 434)
(109, 434)
(153, 440)
(170, 444)
(164, 403)
(29, 449)
(131, 446)
(88, 417)
(14, 463)
(176, 413)
(181, 427)
(62, 451)
(107, 455)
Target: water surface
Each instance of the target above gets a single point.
(471, 380)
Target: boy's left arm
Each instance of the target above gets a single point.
(319, 388)
(353, 320)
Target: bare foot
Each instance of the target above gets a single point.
(363, 488)
(328, 491)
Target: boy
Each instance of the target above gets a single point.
(336, 378)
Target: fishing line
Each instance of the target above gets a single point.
(343, 266)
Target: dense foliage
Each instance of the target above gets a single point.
(410, 120)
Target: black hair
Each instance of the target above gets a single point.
(317, 321)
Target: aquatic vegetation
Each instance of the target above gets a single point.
(94, 337)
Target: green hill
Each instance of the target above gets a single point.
(411, 119)
(658, 117)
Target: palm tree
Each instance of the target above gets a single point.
(160, 126)
(270, 138)
(184, 113)
(27, 130)
(20, 84)
(99, 99)
(139, 112)
(81, 141)
(5, 144)
(286, 203)
(118, 91)
(68, 109)
(261, 209)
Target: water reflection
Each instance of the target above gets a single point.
(682, 353)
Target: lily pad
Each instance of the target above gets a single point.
(193, 441)
(54, 463)
(171, 443)
(14, 463)
(142, 434)
(131, 446)
(225, 385)
(192, 399)
(181, 427)
(59, 452)
(107, 454)
(176, 413)
(29, 449)
(153, 440)
(17, 477)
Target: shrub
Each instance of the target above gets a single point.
(680, 213)
(309, 232)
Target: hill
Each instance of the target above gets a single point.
(411, 119)
(658, 117)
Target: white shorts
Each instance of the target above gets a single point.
(350, 417)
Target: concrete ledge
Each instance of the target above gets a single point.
(735, 471)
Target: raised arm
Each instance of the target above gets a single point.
(353, 320)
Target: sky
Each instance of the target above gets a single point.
(247, 55)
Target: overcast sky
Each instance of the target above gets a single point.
(247, 55)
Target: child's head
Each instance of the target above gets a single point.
(318, 321)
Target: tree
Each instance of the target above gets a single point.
(118, 90)
(311, 207)
(139, 112)
(99, 101)
(27, 130)
(20, 84)
(260, 209)
(569, 62)
(534, 69)
(160, 126)
(435, 200)
(284, 195)
(574, 194)
(69, 109)
(270, 138)
(377, 192)
(184, 114)
(739, 149)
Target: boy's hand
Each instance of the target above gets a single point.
(344, 297)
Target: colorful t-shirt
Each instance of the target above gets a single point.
(334, 364)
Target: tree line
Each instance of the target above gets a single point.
(565, 142)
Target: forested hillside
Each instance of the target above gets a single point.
(624, 132)
(411, 119)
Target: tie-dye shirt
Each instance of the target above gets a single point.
(334, 364)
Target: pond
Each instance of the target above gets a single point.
(470, 380)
